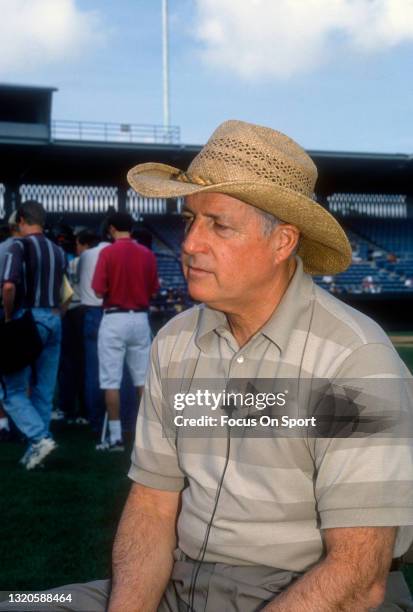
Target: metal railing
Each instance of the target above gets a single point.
(137, 205)
(368, 204)
(71, 198)
(88, 199)
(115, 132)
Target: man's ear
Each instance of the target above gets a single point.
(287, 238)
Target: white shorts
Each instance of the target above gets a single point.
(123, 335)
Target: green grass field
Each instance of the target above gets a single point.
(57, 524)
(406, 353)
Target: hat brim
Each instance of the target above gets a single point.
(324, 247)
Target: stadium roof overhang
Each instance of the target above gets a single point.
(74, 162)
(363, 172)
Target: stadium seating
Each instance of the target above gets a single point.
(169, 229)
(370, 272)
(393, 235)
(170, 271)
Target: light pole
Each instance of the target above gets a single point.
(165, 63)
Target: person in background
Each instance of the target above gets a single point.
(125, 278)
(11, 231)
(92, 316)
(32, 279)
(71, 370)
(64, 237)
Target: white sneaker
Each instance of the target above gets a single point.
(57, 415)
(38, 452)
(117, 446)
(102, 446)
(23, 459)
(81, 421)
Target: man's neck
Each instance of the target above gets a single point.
(32, 229)
(121, 235)
(246, 321)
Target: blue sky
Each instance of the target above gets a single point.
(333, 74)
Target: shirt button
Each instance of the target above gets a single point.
(240, 359)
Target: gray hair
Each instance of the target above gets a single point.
(269, 222)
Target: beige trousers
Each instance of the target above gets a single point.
(219, 587)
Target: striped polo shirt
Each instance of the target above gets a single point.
(36, 266)
(279, 492)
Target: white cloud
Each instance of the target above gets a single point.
(280, 38)
(35, 33)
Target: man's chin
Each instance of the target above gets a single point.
(199, 294)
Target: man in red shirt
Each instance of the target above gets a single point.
(125, 278)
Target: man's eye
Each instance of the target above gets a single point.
(219, 226)
(187, 222)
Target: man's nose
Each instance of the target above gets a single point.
(195, 240)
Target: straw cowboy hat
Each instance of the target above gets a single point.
(263, 168)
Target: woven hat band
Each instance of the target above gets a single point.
(185, 177)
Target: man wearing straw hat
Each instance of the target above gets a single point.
(233, 522)
(297, 524)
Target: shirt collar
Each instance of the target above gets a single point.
(295, 302)
(210, 320)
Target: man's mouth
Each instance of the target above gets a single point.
(195, 271)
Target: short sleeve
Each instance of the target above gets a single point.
(367, 479)
(154, 457)
(13, 263)
(100, 282)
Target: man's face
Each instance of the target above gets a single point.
(227, 260)
(80, 247)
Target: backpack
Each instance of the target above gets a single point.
(20, 343)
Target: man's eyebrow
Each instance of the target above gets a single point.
(220, 216)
